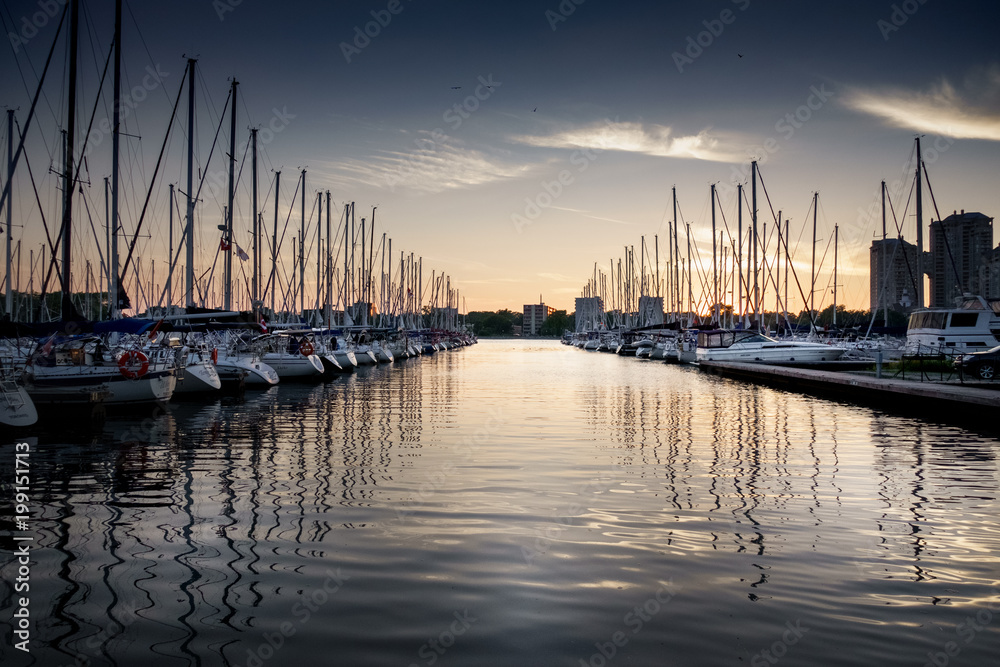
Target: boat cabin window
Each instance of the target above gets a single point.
(964, 319)
(928, 319)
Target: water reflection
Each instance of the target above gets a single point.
(543, 489)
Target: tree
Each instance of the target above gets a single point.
(555, 324)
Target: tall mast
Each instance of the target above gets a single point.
(319, 252)
(302, 251)
(170, 251)
(687, 228)
(672, 264)
(255, 281)
(113, 287)
(327, 310)
(10, 209)
(787, 262)
(739, 252)
(715, 266)
(885, 270)
(812, 269)
(753, 215)
(920, 232)
(656, 250)
(68, 311)
(361, 291)
(189, 218)
(227, 299)
(274, 240)
(836, 239)
(369, 284)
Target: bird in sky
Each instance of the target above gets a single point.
(459, 87)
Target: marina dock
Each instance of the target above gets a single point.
(944, 401)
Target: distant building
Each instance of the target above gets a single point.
(960, 246)
(589, 313)
(893, 275)
(534, 316)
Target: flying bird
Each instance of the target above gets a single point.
(459, 87)
(534, 110)
(740, 55)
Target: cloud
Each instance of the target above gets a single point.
(941, 110)
(435, 164)
(656, 140)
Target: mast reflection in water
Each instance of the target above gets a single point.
(514, 503)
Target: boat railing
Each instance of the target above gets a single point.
(928, 363)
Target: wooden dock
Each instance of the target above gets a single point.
(936, 401)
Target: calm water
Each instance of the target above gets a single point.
(513, 503)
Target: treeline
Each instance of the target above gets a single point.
(502, 322)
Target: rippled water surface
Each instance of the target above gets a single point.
(512, 503)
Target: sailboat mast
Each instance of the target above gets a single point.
(836, 239)
(739, 252)
(68, 311)
(319, 252)
(753, 216)
(10, 209)
(255, 281)
(715, 266)
(170, 250)
(189, 222)
(672, 264)
(885, 270)
(113, 287)
(920, 232)
(812, 269)
(227, 299)
(302, 252)
(327, 308)
(274, 240)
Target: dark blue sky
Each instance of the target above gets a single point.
(839, 89)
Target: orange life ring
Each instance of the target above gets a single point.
(306, 348)
(215, 355)
(133, 364)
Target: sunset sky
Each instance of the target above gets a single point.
(515, 144)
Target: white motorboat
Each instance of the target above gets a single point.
(750, 346)
(971, 327)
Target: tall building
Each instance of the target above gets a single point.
(589, 313)
(535, 315)
(959, 247)
(893, 275)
